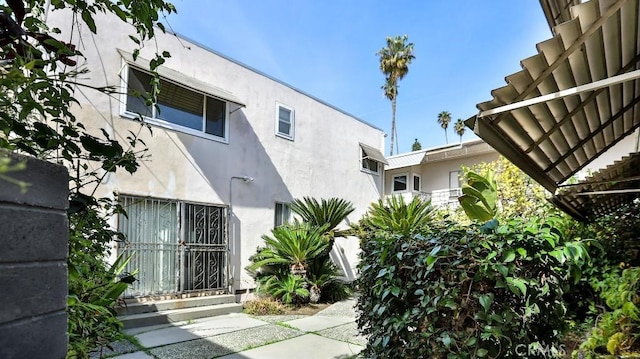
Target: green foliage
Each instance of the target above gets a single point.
(465, 292)
(293, 245)
(290, 289)
(294, 265)
(479, 196)
(328, 213)
(618, 328)
(444, 118)
(263, 306)
(38, 80)
(459, 128)
(416, 146)
(518, 196)
(394, 215)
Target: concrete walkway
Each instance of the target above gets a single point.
(331, 333)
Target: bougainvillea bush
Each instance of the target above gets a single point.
(485, 290)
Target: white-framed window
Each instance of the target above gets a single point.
(178, 107)
(454, 184)
(282, 214)
(400, 183)
(417, 184)
(285, 121)
(369, 164)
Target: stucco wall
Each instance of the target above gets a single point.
(435, 175)
(322, 161)
(33, 261)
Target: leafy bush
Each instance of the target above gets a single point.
(294, 265)
(463, 292)
(618, 328)
(290, 289)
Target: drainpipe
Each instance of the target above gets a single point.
(231, 235)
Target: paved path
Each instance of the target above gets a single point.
(331, 333)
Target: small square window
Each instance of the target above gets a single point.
(285, 121)
(416, 183)
(369, 164)
(282, 214)
(399, 183)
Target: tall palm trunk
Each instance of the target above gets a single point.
(445, 136)
(393, 124)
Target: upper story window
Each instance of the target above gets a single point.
(371, 159)
(368, 164)
(177, 107)
(285, 122)
(400, 183)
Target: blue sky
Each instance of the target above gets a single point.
(327, 48)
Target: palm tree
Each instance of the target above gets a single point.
(444, 118)
(459, 128)
(394, 64)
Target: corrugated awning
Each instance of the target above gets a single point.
(183, 80)
(373, 153)
(602, 192)
(572, 101)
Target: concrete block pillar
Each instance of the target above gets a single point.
(33, 261)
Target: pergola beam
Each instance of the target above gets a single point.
(629, 76)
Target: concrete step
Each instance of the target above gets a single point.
(178, 315)
(134, 306)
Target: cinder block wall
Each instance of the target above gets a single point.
(33, 261)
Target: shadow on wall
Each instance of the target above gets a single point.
(244, 155)
(345, 254)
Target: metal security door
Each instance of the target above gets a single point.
(175, 247)
(151, 227)
(204, 248)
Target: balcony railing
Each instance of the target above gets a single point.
(439, 198)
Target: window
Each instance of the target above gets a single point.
(282, 214)
(284, 122)
(454, 179)
(189, 111)
(369, 164)
(416, 183)
(371, 159)
(399, 183)
(454, 184)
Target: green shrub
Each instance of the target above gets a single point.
(294, 265)
(290, 289)
(464, 292)
(618, 327)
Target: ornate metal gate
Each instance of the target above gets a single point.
(204, 248)
(177, 247)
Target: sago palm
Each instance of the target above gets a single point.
(444, 118)
(394, 215)
(290, 289)
(327, 213)
(394, 64)
(293, 245)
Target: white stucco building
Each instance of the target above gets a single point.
(434, 173)
(228, 149)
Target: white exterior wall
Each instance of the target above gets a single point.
(323, 161)
(435, 175)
